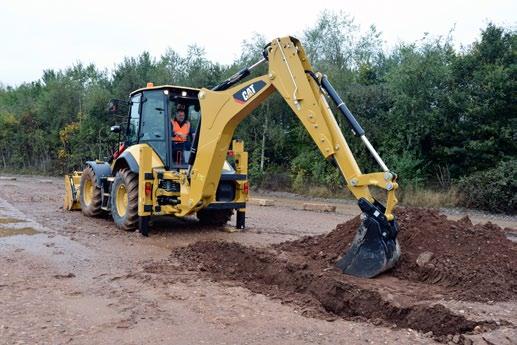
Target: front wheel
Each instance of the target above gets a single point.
(214, 217)
(90, 196)
(124, 200)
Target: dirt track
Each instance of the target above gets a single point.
(76, 280)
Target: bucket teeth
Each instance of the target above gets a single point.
(375, 248)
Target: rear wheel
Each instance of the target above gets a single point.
(90, 194)
(124, 200)
(214, 217)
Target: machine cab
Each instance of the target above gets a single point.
(154, 119)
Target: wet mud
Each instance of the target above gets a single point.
(9, 220)
(4, 232)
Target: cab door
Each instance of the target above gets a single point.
(153, 122)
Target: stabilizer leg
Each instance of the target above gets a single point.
(143, 225)
(241, 220)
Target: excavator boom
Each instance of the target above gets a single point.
(375, 248)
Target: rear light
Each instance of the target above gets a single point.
(245, 187)
(148, 189)
(230, 153)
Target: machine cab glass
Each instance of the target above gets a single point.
(184, 115)
(146, 122)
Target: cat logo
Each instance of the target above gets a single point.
(247, 92)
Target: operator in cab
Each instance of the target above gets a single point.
(181, 134)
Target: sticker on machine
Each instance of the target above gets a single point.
(247, 92)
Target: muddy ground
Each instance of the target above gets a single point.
(68, 279)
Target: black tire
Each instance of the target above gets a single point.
(90, 195)
(124, 200)
(214, 217)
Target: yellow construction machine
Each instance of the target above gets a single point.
(149, 176)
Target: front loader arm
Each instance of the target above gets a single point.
(291, 74)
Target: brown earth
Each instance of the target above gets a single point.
(69, 279)
(471, 262)
(477, 262)
(320, 294)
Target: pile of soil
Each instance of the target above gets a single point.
(324, 294)
(477, 262)
(465, 261)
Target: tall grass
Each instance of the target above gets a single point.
(425, 197)
(409, 195)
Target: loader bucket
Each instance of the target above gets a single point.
(375, 248)
(72, 182)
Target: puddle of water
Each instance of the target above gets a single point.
(10, 220)
(4, 232)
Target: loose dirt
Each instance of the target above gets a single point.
(477, 262)
(456, 260)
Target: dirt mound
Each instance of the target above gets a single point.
(320, 293)
(440, 258)
(477, 262)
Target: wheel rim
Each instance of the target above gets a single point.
(121, 200)
(88, 192)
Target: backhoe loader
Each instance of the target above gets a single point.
(145, 178)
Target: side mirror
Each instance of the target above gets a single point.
(114, 106)
(115, 129)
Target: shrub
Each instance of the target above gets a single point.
(493, 190)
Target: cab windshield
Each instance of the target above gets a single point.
(153, 122)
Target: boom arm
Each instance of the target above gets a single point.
(291, 74)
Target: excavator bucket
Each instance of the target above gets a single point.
(72, 182)
(375, 248)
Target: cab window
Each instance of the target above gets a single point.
(194, 117)
(134, 120)
(153, 125)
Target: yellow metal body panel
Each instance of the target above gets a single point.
(135, 151)
(145, 168)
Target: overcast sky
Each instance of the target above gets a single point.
(38, 35)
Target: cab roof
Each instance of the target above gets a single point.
(165, 87)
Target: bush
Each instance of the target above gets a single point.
(274, 178)
(493, 190)
(311, 169)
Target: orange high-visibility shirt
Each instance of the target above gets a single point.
(178, 129)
